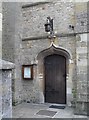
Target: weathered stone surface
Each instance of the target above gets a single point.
(8, 34)
(0, 22)
(82, 105)
(5, 89)
(39, 13)
(6, 65)
(0, 95)
(26, 44)
(81, 17)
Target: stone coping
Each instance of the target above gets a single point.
(6, 65)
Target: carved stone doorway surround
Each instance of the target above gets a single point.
(53, 49)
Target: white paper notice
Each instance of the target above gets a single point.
(27, 72)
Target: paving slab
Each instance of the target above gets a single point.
(30, 110)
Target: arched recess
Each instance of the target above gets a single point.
(40, 67)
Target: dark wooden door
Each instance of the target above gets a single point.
(55, 79)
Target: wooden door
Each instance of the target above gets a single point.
(55, 79)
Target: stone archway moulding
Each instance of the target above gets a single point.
(53, 49)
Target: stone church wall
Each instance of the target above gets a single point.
(81, 57)
(30, 39)
(34, 18)
(8, 34)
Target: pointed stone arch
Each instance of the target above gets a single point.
(52, 49)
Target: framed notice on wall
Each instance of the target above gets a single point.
(27, 72)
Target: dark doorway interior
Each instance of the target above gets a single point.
(55, 79)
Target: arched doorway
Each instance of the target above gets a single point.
(55, 79)
(66, 56)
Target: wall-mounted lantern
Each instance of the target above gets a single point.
(49, 26)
